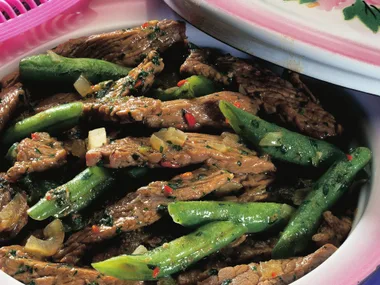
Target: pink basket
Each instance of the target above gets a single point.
(18, 16)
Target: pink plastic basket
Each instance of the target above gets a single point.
(18, 16)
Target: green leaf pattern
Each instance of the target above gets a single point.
(369, 15)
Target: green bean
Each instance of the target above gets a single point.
(279, 142)
(326, 191)
(174, 256)
(257, 217)
(12, 153)
(72, 196)
(59, 70)
(52, 120)
(192, 87)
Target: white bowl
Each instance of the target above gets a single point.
(360, 254)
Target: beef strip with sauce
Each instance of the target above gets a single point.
(126, 47)
(198, 62)
(157, 114)
(27, 269)
(292, 104)
(141, 208)
(273, 272)
(198, 148)
(250, 249)
(333, 230)
(10, 99)
(37, 154)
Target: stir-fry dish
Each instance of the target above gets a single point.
(135, 156)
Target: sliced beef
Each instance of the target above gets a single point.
(333, 230)
(10, 99)
(198, 62)
(56, 100)
(280, 98)
(273, 272)
(123, 109)
(249, 250)
(37, 154)
(198, 148)
(205, 111)
(138, 81)
(157, 114)
(142, 208)
(10, 80)
(24, 268)
(126, 47)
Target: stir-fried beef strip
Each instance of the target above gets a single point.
(13, 211)
(126, 47)
(205, 111)
(293, 104)
(25, 268)
(56, 100)
(157, 114)
(198, 62)
(273, 272)
(37, 154)
(10, 99)
(9, 80)
(249, 250)
(333, 230)
(198, 148)
(138, 81)
(279, 97)
(142, 208)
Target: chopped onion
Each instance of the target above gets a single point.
(158, 143)
(162, 138)
(140, 250)
(83, 86)
(54, 57)
(145, 150)
(10, 214)
(97, 138)
(54, 234)
(271, 139)
(218, 146)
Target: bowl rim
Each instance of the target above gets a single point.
(343, 267)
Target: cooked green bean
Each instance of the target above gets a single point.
(192, 87)
(12, 153)
(257, 217)
(55, 69)
(173, 256)
(52, 120)
(326, 191)
(72, 196)
(280, 143)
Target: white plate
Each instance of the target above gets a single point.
(359, 255)
(313, 41)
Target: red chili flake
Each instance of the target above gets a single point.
(168, 190)
(237, 104)
(138, 83)
(95, 229)
(169, 164)
(274, 274)
(349, 157)
(181, 82)
(155, 272)
(48, 197)
(190, 120)
(227, 121)
(35, 136)
(145, 25)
